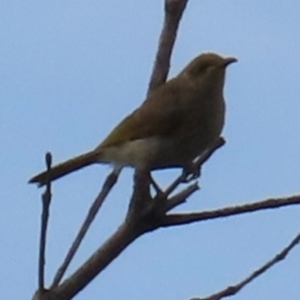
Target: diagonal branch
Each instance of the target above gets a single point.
(234, 289)
(173, 13)
(181, 219)
(124, 236)
(106, 188)
(181, 197)
(46, 200)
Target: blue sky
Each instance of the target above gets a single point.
(70, 70)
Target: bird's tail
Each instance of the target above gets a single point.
(65, 168)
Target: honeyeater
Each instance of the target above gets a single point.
(173, 126)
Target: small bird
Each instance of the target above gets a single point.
(174, 125)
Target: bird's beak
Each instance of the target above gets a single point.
(228, 61)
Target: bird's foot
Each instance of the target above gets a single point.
(191, 172)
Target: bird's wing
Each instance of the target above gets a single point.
(160, 114)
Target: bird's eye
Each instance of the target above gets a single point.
(203, 67)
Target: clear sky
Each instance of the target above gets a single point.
(70, 70)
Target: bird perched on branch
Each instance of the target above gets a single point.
(173, 126)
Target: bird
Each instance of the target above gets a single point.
(175, 124)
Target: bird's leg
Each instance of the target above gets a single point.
(191, 172)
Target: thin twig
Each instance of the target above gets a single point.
(181, 219)
(181, 197)
(107, 186)
(46, 201)
(234, 289)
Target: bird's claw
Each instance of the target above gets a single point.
(190, 173)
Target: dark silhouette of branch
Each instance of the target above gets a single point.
(46, 201)
(173, 13)
(181, 197)
(146, 214)
(125, 235)
(181, 219)
(234, 289)
(109, 183)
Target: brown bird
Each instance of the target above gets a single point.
(173, 126)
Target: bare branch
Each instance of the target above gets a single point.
(46, 197)
(106, 188)
(141, 197)
(234, 289)
(44, 294)
(181, 197)
(173, 13)
(181, 219)
(124, 236)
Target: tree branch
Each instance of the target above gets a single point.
(106, 188)
(181, 219)
(124, 236)
(173, 13)
(46, 200)
(234, 289)
(181, 197)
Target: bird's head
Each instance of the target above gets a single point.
(209, 68)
